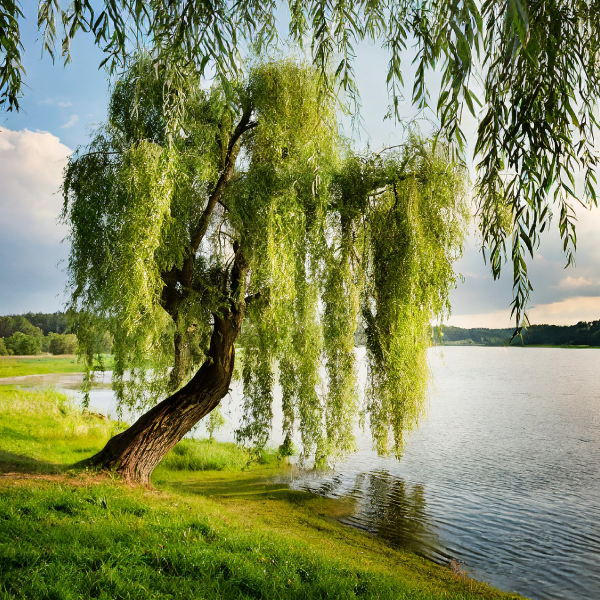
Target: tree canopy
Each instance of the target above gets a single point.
(527, 69)
(256, 209)
(33, 333)
(9, 325)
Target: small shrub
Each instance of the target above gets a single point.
(62, 343)
(23, 344)
(216, 422)
(286, 449)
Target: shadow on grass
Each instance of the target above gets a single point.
(256, 487)
(261, 485)
(19, 463)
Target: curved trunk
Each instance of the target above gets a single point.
(135, 453)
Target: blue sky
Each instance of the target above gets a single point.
(61, 106)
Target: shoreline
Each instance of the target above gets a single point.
(205, 509)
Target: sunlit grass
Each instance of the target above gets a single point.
(208, 455)
(17, 366)
(41, 430)
(96, 540)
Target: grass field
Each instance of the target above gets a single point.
(16, 366)
(42, 432)
(212, 527)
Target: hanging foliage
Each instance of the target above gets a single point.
(257, 208)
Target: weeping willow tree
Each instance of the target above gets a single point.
(526, 70)
(253, 224)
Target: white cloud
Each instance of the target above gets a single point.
(563, 312)
(567, 312)
(497, 319)
(64, 103)
(5, 145)
(31, 165)
(72, 120)
(571, 283)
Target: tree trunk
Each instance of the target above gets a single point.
(135, 453)
(180, 364)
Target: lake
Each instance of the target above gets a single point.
(501, 479)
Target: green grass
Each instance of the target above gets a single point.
(41, 431)
(16, 366)
(209, 530)
(207, 455)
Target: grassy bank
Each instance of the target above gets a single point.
(42, 432)
(17, 366)
(208, 530)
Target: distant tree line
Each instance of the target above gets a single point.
(584, 333)
(37, 333)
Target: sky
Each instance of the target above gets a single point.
(61, 107)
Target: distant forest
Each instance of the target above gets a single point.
(48, 323)
(37, 333)
(583, 333)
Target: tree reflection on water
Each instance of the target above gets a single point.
(390, 508)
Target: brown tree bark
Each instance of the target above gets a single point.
(134, 453)
(180, 363)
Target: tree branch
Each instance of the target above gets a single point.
(252, 298)
(238, 271)
(96, 152)
(242, 127)
(387, 149)
(215, 197)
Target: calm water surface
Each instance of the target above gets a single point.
(502, 476)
